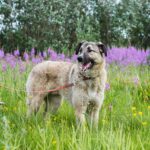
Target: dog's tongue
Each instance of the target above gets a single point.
(86, 66)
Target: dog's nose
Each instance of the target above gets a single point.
(80, 59)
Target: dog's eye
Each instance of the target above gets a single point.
(90, 50)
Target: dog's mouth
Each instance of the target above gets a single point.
(86, 66)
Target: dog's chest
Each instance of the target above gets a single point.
(92, 94)
(92, 91)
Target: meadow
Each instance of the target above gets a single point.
(124, 118)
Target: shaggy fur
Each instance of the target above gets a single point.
(86, 96)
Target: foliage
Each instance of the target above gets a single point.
(61, 23)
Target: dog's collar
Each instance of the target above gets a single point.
(85, 77)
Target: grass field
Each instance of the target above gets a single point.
(124, 119)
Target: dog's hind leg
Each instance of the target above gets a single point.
(34, 104)
(52, 103)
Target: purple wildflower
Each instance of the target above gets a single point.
(16, 53)
(74, 58)
(107, 86)
(22, 68)
(127, 56)
(9, 58)
(44, 54)
(37, 60)
(26, 56)
(4, 67)
(32, 52)
(40, 54)
(34, 60)
(68, 60)
(61, 57)
(49, 51)
(1, 53)
(12, 64)
(53, 55)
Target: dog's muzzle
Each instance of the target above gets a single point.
(85, 61)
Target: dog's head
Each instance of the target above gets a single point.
(90, 54)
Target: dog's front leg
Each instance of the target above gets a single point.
(94, 116)
(94, 110)
(80, 111)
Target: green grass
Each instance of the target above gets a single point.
(124, 126)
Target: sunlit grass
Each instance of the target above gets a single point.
(124, 118)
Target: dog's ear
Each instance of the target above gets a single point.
(102, 48)
(78, 47)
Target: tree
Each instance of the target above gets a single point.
(60, 24)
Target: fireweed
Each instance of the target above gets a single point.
(118, 56)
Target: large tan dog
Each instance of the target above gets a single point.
(88, 76)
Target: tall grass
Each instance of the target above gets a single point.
(124, 119)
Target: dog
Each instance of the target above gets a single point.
(88, 76)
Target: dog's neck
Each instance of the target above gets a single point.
(85, 77)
